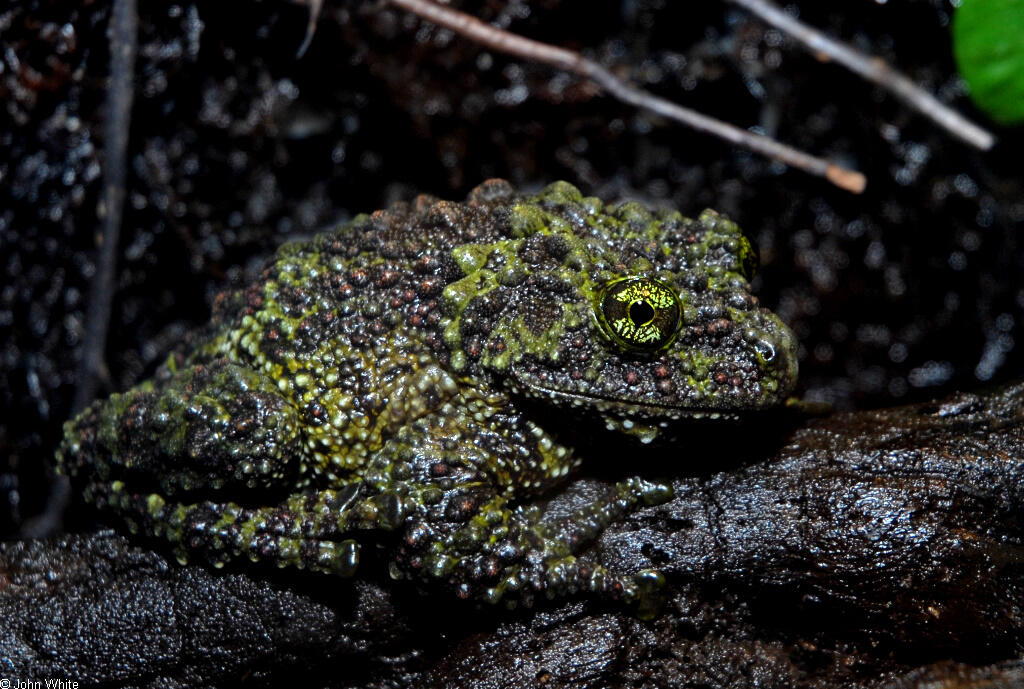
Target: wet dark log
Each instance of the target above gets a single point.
(870, 549)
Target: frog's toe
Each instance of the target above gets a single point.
(338, 558)
(647, 593)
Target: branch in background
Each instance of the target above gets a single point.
(315, 7)
(874, 69)
(123, 37)
(569, 61)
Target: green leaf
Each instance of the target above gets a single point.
(988, 44)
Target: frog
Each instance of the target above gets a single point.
(414, 381)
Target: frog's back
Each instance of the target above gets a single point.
(359, 286)
(346, 324)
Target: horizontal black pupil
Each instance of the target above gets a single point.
(641, 312)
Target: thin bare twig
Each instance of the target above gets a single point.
(315, 7)
(569, 61)
(123, 35)
(873, 69)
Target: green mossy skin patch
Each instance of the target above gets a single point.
(387, 375)
(988, 44)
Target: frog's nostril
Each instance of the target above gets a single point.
(765, 349)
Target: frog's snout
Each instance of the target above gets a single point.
(776, 350)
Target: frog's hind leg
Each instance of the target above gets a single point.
(310, 530)
(203, 428)
(198, 457)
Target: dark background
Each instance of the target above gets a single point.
(906, 292)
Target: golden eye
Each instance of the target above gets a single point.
(639, 312)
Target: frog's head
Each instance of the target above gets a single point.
(641, 319)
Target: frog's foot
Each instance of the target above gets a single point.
(510, 554)
(570, 575)
(309, 530)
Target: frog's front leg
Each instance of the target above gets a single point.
(509, 553)
(488, 547)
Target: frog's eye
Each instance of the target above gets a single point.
(639, 312)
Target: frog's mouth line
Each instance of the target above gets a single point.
(621, 408)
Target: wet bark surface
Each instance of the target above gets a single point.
(865, 549)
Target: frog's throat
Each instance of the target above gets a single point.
(616, 407)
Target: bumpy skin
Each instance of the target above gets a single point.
(406, 373)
